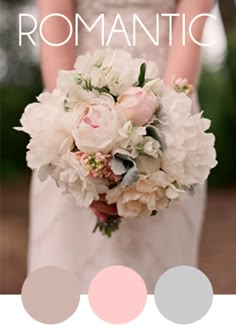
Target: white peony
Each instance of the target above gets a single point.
(97, 129)
(71, 176)
(49, 127)
(146, 195)
(190, 152)
(175, 105)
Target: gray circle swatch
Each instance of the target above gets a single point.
(50, 294)
(183, 294)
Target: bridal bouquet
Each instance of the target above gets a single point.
(112, 128)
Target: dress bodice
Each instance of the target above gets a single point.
(146, 12)
(106, 5)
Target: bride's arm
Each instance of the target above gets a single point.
(183, 61)
(56, 30)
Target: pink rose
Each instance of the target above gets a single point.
(137, 105)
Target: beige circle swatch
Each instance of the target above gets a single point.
(50, 294)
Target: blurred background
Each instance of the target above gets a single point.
(21, 82)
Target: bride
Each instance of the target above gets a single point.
(61, 233)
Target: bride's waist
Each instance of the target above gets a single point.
(104, 6)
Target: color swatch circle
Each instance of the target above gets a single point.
(183, 294)
(50, 294)
(117, 294)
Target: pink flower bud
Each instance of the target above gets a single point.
(137, 105)
(182, 85)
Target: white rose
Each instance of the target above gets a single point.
(97, 129)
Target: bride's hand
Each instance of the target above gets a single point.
(101, 209)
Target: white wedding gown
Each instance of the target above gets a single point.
(61, 233)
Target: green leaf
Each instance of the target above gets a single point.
(109, 226)
(142, 72)
(112, 186)
(190, 190)
(154, 212)
(153, 132)
(104, 89)
(67, 109)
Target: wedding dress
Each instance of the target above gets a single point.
(61, 233)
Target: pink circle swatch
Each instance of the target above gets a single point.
(117, 294)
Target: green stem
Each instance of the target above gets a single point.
(111, 225)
